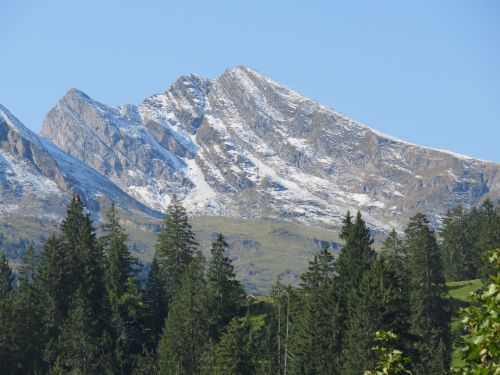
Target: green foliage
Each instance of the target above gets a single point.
(82, 342)
(231, 356)
(175, 247)
(80, 309)
(123, 294)
(460, 254)
(481, 350)
(381, 304)
(315, 329)
(52, 288)
(29, 330)
(186, 328)
(8, 344)
(390, 361)
(154, 299)
(225, 293)
(429, 317)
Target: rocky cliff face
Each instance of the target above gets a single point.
(37, 178)
(244, 145)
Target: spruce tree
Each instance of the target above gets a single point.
(429, 317)
(8, 330)
(186, 329)
(175, 246)
(379, 305)
(52, 288)
(232, 357)
(122, 292)
(315, 332)
(81, 346)
(92, 288)
(460, 260)
(281, 324)
(70, 228)
(155, 307)
(30, 329)
(225, 293)
(489, 237)
(355, 258)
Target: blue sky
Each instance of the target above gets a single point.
(424, 71)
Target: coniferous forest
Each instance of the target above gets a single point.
(80, 307)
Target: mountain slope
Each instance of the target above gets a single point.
(37, 178)
(244, 145)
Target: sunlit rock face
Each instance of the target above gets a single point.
(238, 145)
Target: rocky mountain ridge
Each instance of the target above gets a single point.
(240, 145)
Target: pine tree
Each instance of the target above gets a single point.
(155, 307)
(231, 356)
(122, 292)
(395, 254)
(8, 334)
(225, 293)
(71, 227)
(356, 256)
(489, 237)
(92, 287)
(186, 329)
(69, 264)
(379, 305)
(81, 340)
(29, 316)
(429, 316)
(354, 260)
(314, 345)
(53, 293)
(459, 251)
(175, 247)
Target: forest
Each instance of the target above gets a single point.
(79, 306)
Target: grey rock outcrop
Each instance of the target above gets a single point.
(244, 145)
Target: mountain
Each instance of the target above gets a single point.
(244, 145)
(273, 170)
(37, 178)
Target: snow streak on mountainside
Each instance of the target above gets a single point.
(37, 178)
(244, 145)
(239, 145)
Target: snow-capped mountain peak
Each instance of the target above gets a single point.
(243, 144)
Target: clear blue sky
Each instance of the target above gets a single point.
(424, 71)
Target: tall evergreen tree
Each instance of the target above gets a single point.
(70, 228)
(429, 315)
(81, 346)
(186, 329)
(489, 237)
(8, 334)
(175, 247)
(460, 258)
(122, 292)
(281, 324)
(354, 260)
(72, 263)
(232, 357)
(225, 293)
(356, 256)
(380, 305)
(395, 254)
(155, 307)
(28, 313)
(52, 288)
(314, 346)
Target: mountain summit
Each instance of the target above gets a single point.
(245, 145)
(240, 145)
